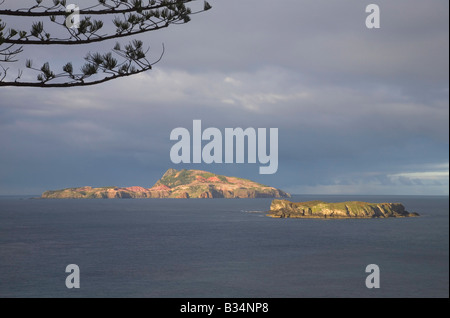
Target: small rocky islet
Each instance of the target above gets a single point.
(339, 210)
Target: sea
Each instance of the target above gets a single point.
(219, 248)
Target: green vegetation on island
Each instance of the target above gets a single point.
(343, 210)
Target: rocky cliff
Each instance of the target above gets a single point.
(177, 184)
(351, 209)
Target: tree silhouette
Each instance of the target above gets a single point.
(75, 26)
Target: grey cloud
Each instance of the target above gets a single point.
(353, 106)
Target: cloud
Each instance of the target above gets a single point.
(425, 177)
(331, 134)
(358, 110)
(420, 183)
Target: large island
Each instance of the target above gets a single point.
(177, 184)
(342, 210)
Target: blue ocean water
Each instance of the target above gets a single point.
(219, 248)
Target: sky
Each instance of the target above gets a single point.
(358, 110)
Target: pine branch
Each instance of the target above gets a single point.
(111, 10)
(131, 17)
(68, 84)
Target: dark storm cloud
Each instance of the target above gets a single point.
(359, 111)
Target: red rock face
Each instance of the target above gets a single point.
(160, 187)
(200, 178)
(213, 179)
(136, 189)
